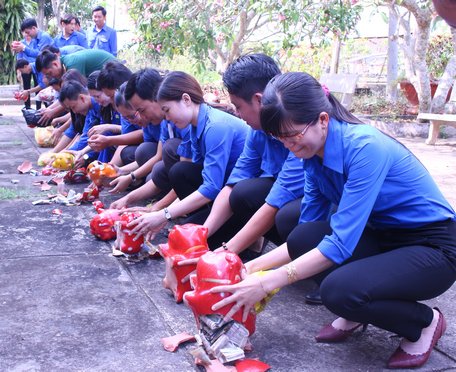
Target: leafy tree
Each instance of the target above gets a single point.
(221, 30)
(12, 13)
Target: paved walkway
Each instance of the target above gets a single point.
(67, 305)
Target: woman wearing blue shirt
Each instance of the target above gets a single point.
(392, 241)
(217, 140)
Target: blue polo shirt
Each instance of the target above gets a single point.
(37, 44)
(373, 179)
(76, 38)
(166, 130)
(105, 39)
(265, 156)
(217, 141)
(39, 75)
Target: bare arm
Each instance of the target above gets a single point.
(220, 212)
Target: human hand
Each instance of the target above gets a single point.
(17, 46)
(120, 184)
(78, 158)
(119, 204)
(24, 95)
(148, 225)
(97, 129)
(46, 115)
(244, 295)
(98, 142)
(56, 135)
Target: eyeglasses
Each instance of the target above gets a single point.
(132, 117)
(298, 135)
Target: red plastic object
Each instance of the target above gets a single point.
(184, 242)
(172, 343)
(99, 206)
(125, 241)
(101, 173)
(76, 176)
(102, 225)
(251, 365)
(90, 193)
(213, 269)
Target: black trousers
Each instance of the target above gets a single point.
(27, 83)
(389, 272)
(160, 172)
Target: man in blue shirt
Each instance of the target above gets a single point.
(39, 40)
(69, 36)
(25, 67)
(102, 36)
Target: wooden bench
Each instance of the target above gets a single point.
(342, 86)
(436, 121)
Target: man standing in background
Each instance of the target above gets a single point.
(102, 36)
(69, 35)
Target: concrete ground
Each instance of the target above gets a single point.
(67, 305)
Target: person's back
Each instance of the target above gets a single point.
(86, 61)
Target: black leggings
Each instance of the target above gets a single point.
(388, 273)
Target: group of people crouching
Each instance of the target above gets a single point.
(346, 204)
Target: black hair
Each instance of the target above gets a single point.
(92, 83)
(249, 74)
(144, 83)
(113, 74)
(71, 90)
(78, 22)
(98, 8)
(119, 97)
(92, 80)
(176, 83)
(51, 48)
(74, 75)
(21, 63)
(297, 97)
(44, 59)
(67, 19)
(28, 23)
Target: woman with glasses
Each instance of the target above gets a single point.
(391, 243)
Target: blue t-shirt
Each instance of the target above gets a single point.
(167, 130)
(126, 126)
(373, 179)
(76, 38)
(37, 44)
(264, 156)
(217, 141)
(105, 39)
(92, 118)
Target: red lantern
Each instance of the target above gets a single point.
(90, 193)
(213, 269)
(184, 242)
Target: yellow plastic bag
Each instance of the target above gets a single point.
(260, 306)
(63, 161)
(43, 136)
(45, 159)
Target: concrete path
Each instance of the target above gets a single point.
(67, 305)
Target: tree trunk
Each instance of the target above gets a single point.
(446, 81)
(335, 55)
(40, 15)
(392, 68)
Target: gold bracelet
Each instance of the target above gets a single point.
(264, 290)
(292, 273)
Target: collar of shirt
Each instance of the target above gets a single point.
(102, 29)
(38, 36)
(333, 157)
(202, 119)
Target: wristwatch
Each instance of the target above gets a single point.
(133, 177)
(167, 214)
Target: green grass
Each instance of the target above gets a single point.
(11, 194)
